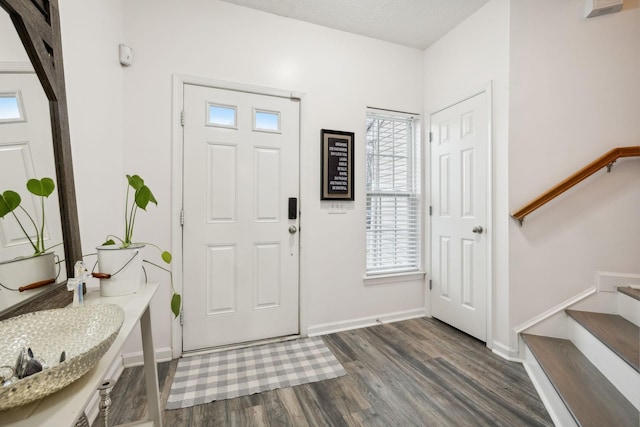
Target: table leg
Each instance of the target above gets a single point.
(150, 370)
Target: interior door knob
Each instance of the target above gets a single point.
(292, 229)
(478, 229)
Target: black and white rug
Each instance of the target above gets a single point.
(216, 376)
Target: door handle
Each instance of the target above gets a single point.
(478, 229)
(292, 229)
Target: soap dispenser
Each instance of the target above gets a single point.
(75, 284)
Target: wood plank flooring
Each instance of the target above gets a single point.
(418, 372)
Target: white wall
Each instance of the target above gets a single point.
(466, 60)
(91, 32)
(341, 74)
(575, 94)
(11, 49)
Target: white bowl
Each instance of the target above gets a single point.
(83, 333)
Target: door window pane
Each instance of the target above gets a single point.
(268, 121)
(222, 116)
(10, 110)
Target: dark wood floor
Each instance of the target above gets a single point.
(417, 372)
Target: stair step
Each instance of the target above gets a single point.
(589, 396)
(618, 334)
(632, 292)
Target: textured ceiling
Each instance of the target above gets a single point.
(414, 23)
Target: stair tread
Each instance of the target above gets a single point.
(632, 292)
(589, 396)
(616, 332)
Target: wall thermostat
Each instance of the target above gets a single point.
(126, 55)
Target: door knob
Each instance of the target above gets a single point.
(292, 229)
(478, 229)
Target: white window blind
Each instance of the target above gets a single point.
(393, 194)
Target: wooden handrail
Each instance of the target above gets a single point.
(606, 160)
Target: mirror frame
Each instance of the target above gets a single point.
(38, 25)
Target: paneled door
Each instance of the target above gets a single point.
(26, 151)
(459, 180)
(240, 247)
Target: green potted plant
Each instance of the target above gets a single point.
(40, 267)
(120, 259)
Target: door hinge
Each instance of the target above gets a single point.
(430, 284)
(181, 216)
(430, 136)
(181, 317)
(182, 118)
(430, 210)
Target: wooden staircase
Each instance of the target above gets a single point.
(591, 377)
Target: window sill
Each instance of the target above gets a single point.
(394, 278)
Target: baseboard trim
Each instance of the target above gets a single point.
(554, 310)
(136, 359)
(363, 322)
(506, 352)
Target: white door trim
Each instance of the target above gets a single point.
(177, 106)
(16, 67)
(488, 90)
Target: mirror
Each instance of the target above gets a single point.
(26, 151)
(37, 25)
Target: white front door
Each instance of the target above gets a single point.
(241, 250)
(459, 223)
(26, 151)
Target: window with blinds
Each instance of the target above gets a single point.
(393, 194)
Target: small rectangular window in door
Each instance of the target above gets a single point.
(11, 108)
(221, 115)
(266, 121)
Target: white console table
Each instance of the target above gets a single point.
(64, 407)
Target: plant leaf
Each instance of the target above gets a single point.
(166, 257)
(41, 187)
(9, 200)
(135, 181)
(152, 199)
(109, 242)
(143, 197)
(175, 304)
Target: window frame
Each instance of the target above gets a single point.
(414, 172)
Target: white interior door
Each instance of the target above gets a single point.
(26, 151)
(240, 279)
(459, 180)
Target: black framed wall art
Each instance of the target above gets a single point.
(337, 165)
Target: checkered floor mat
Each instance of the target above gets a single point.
(233, 373)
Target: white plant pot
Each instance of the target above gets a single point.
(125, 268)
(24, 271)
